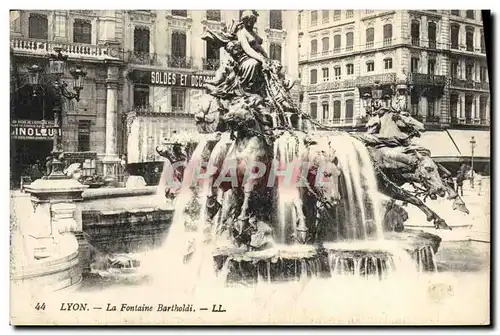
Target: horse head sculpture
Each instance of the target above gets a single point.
(427, 174)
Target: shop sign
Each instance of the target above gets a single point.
(32, 129)
(168, 78)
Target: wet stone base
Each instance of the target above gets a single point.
(286, 263)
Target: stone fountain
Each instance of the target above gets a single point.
(271, 199)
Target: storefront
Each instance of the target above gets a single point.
(31, 144)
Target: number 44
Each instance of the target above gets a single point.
(39, 306)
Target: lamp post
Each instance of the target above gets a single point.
(54, 72)
(374, 100)
(472, 146)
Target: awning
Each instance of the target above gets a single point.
(462, 139)
(439, 143)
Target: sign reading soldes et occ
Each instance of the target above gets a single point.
(167, 78)
(32, 129)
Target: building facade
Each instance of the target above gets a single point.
(438, 54)
(436, 57)
(145, 70)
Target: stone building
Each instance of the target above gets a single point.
(145, 70)
(436, 56)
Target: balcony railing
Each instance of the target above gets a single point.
(142, 58)
(415, 41)
(470, 84)
(369, 45)
(179, 62)
(426, 79)
(469, 121)
(210, 64)
(331, 85)
(382, 78)
(454, 46)
(349, 48)
(432, 44)
(387, 42)
(72, 50)
(432, 119)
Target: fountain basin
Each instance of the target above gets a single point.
(361, 258)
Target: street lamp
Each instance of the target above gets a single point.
(55, 70)
(373, 101)
(472, 146)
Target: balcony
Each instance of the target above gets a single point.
(432, 44)
(142, 58)
(31, 47)
(415, 41)
(469, 84)
(210, 64)
(469, 121)
(424, 79)
(383, 78)
(433, 119)
(369, 45)
(179, 62)
(387, 42)
(331, 86)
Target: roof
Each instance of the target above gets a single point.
(439, 143)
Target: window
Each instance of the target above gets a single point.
(60, 26)
(38, 26)
(183, 13)
(83, 135)
(454, 70)
(178, 44)
(469, 68)
(336, 111)
(82, 31)
(370, 37)
(414, 104)
(349, 110)
(337, 43)
(455, 12)
(178, 99)
(431, 106)
(15, 21)
(431, 66)
(313, 110)
(431, 34)
(213, 15)
(314, 47)
(414, 64)
(387, 35)
(469, 40)
(326, 16)
(314, 76)
(336, 15)
(326, 74)
(415, 32)
(314, 17)
(349, 69)
(338, 72)
(275, 51)
(141, 96)
(141, 40)
(275, 21)
(388, 63)
(482, 41)
(349, 13)
(326, 115)
(455, 31)
(370, 66)
(349, 41)
(483, 74)
(325, 42)
(453, 106)
(469, 14)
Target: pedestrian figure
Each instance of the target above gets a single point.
(479, 182)
(460, 183)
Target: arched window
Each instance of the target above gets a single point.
(337, 43)
(314, 47)
(336, 111)
(431, 34)
(349, 41)
(455, 34)
(313, 110)
(370, 37)
(325, 42)
(469, 39)
(349, 110)
(314, 76)
(387, 34)
(415, 32)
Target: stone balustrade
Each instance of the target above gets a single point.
(72, 50)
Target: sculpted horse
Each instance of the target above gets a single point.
(397, 162)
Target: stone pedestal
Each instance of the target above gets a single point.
(48, 232)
